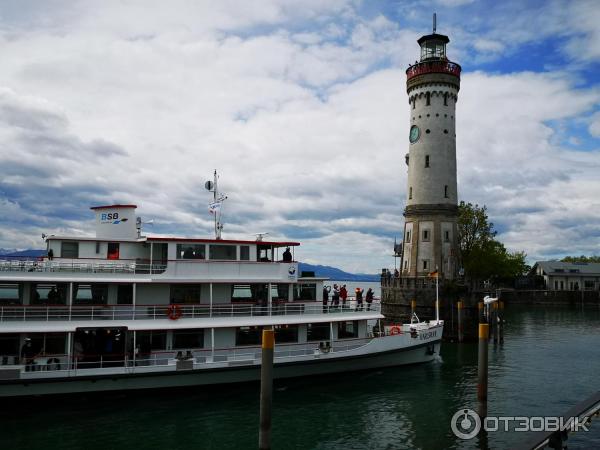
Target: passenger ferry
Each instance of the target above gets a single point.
(122, 310)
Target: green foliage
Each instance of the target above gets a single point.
(481, 255)
(582, 259)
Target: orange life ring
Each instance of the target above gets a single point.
(174, 312)
(395, 330)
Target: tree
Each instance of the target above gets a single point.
(582, 259)
(481, 255)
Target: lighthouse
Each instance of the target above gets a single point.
(430, 228)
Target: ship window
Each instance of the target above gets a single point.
(54, 343)
(244, 252)
(53, 294)
(9, 346)
(185, 293)
(96, 293)
(184, 339)
(305, 291)
(248, 336)
(69, 250)
(222, 252)
(318, 332)
(150, 340)
(191, 251)
(10, 294)
(125, 294)
(348, 330)
(426, 160)
(113, 250)
(286, 333)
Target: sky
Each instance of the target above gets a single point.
(301, 106)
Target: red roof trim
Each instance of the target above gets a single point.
(223, 241)
(113, 206)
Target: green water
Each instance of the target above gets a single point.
(550, 360)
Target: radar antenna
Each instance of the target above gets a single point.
(215, 207)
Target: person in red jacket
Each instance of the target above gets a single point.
(344, 295)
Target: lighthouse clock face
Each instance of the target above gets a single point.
(414, 134)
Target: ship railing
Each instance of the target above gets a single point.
(65, 364)
(174, 312)
(132, 267)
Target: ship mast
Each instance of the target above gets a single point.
(215, 207)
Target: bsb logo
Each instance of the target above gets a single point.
(112, 218)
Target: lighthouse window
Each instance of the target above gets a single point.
(408, 236)
(445, 99)
(446, 236)
(425, 264)
(445, 131)
(425, 235)
(426, 160)
(446, 191)
(410, 193)
(427, 131)
(428, 97)
(414, 102)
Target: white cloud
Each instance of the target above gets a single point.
(300, 106)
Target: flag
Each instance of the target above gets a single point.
(214, 207)
(433, 274)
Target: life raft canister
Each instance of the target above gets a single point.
(174, 312)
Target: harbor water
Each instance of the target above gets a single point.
(550, 360)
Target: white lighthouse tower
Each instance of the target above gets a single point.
(430, 232)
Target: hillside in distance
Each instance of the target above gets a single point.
(336, 274)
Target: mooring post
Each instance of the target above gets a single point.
(482, 369)
(481, 312)
(266, 389)
(501, 320)
(459, 307)
(413, 308)
(495, 321)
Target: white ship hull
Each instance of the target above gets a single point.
(380, 352)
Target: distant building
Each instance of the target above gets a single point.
(566, 276)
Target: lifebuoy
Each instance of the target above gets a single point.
(174, 312)
(395, 330)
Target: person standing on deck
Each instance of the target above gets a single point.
(343, 295)
(287, 255)
(369, 298)
(326, 290)
(358, 292)
(28, 355)
(335, 298)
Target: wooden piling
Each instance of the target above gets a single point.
(482, 369)
(459, 308)
(266, 389)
